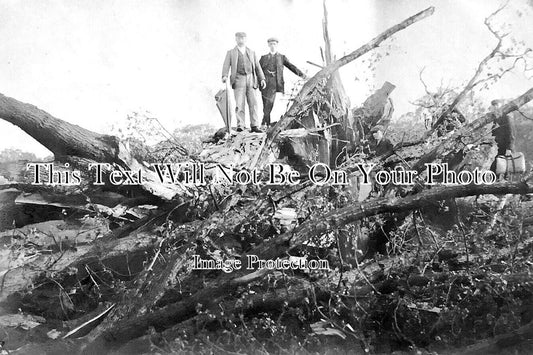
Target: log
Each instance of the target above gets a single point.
(80, 146)
(169, 315)
(301, 102)
(350, 214)
(113, 254)
(324, 223)
(60, 137)
(504, 343)
(149, 290)
(272, 301)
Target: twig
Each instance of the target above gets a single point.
(473, 81)
(316, 65)
(420, 244)
(75, 330)
(150, 268)
(365, 278)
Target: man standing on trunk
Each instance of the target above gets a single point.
(504, 135)
(272, 65)
(504, 131)
(244, 76)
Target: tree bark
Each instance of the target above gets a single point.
(504, 343)
(339, 135)
(169, 315)
(60, 137)
(70, 142)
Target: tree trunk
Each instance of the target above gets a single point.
(81, 146)
(341, 134)
(60, 137)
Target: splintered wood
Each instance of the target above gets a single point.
(239, 150)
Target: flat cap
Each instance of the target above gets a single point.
(240, 34)
(272, 39)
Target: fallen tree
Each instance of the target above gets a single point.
(80, 146)
(150, 259)
(280, 246)
(62, 138)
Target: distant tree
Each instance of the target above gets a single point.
(15, 154)
(150, 141)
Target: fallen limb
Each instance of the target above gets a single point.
(60, 137)
(80, 146)
(169, 315)
(350, 214)
(502, 343)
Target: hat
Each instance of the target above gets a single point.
(272, 39)
(240, 34)
(377, 128)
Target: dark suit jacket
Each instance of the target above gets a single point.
(231, 62)
(281, 61)
(504, 134)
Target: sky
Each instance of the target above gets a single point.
(92, 63)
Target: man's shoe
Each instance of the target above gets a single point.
(256, 130)
(239, 129)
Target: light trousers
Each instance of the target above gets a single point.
(244, 91)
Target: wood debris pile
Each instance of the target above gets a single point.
(114, 268)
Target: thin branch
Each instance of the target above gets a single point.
(481, 66)
(524, 115)
(422, 80)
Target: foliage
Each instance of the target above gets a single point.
(151, 142)
(15, 154)
(434, 290)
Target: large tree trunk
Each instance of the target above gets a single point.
(80, 146)
(60, 137)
